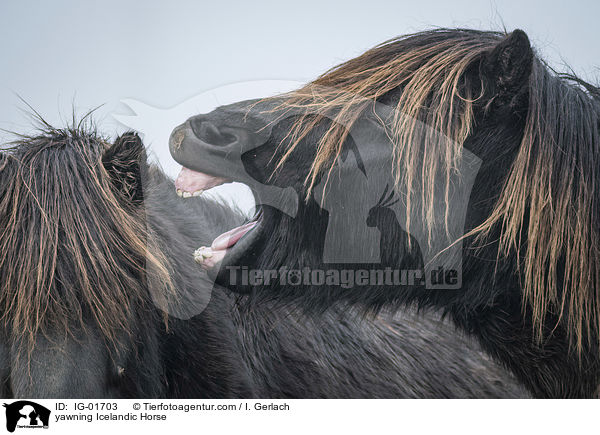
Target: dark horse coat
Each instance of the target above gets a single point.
(94, 241)
(529, 242)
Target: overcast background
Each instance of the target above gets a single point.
(63, 53)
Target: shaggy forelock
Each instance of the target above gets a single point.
(72, 251)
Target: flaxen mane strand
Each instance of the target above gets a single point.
(550, 191)
(71, 249)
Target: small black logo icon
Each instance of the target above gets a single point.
(26, 414)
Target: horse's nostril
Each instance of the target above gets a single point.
(207, 132)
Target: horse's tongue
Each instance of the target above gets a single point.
(231, 237)
(192, 181)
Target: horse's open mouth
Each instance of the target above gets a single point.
(234, 242)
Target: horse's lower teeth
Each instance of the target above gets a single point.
(202, 254)
(183, 194)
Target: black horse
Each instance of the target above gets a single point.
(99, 299)
(494, 159)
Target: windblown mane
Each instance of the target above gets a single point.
(549, 195)
(74, 254)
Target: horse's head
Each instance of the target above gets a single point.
(423, 88)
(73, 239)
(438, 101)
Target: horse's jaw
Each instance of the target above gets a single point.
(233, 243)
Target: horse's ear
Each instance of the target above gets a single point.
(124, 162)
(507, 69)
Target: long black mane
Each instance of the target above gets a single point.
(449, 80)
(536, 207)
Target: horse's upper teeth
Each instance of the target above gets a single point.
(198, 193)
(187, 194)
(180, 192)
